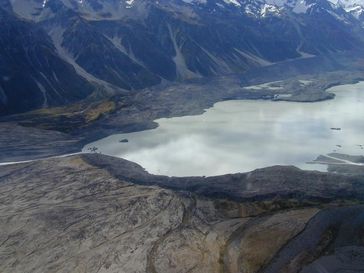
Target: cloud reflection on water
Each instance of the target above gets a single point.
(239, 136)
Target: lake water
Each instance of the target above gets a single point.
(240, 136)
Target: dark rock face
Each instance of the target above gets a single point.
(55, 52)
(32, 75)
(100, 57)
(280, 181)
(71, 215)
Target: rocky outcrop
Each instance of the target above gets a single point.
(72, 215)
(19, 143)
(271, 185)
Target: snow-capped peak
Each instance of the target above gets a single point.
(355, 7)
(116, 9)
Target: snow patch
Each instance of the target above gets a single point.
(233, 2)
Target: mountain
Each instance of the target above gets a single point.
(355, 7)
(59, 51)
(31, 72)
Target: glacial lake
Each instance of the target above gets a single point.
(240, 136)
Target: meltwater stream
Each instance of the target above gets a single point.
(240, 136)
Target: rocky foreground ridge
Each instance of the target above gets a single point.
(92, 213)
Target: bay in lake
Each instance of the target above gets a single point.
(240, 136)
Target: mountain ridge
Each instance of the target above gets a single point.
(116, 47)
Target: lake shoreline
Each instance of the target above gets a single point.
(227, 137)
(99, 130)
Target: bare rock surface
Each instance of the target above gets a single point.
(74, 215)
(19, 143)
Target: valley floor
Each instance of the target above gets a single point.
(64, 130)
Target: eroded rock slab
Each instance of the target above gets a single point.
(73, 215)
